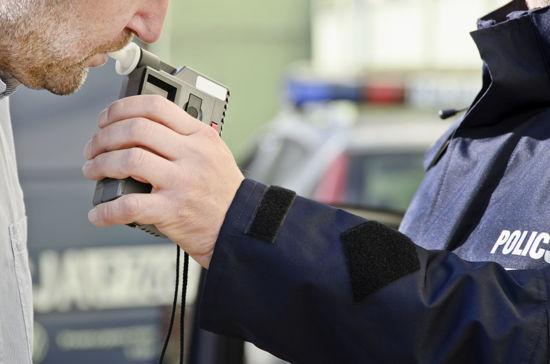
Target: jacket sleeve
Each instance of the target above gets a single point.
(324, 286)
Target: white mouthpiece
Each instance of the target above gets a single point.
(127, 59)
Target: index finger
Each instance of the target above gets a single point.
(152, 107)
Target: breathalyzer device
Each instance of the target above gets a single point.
(200, 96)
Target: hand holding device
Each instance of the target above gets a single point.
(191, 173)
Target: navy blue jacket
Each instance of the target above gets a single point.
(313, 284)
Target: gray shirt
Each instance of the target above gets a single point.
(16, 315)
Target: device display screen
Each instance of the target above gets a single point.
(155, 86)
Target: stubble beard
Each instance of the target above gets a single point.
(63, 76)
(49, 51)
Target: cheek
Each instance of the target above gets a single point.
(88, 25)
(96, 17)
(108, 31)
(107, 17)
(102, 27)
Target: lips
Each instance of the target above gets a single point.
(97, 60)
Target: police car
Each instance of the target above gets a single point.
(336, 153)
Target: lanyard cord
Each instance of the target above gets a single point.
(182, 308)
(174, 305)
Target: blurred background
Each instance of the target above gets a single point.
(337, 100)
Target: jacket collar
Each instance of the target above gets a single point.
(514, 44)
(502, 14)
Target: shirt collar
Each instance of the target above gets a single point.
(8, 86)
(3, 87)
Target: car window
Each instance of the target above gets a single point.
(289, 160)
(384, 180)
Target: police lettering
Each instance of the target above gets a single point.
(523, 243)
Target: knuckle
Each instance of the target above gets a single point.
(210, 133)
(105, 213)
(138, 128)
(134, 158)
(128, 208)
(154, 103)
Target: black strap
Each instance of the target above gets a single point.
(174, 305)
(376, 256)
(271, 213)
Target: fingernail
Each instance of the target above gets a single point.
(85, 167)
(102, 119)
(92, 215)
(88, 150)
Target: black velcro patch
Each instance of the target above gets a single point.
(271, 213)
(376, 256)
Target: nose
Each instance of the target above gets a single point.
(148, 20)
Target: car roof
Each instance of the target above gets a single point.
(371, 129)
(385, 135)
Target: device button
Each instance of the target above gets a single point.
(215, 126)
(193, 106)
(193, 112)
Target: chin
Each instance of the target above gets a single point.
(59, 77)
(67, 83)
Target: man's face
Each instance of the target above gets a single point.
(49, 44)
